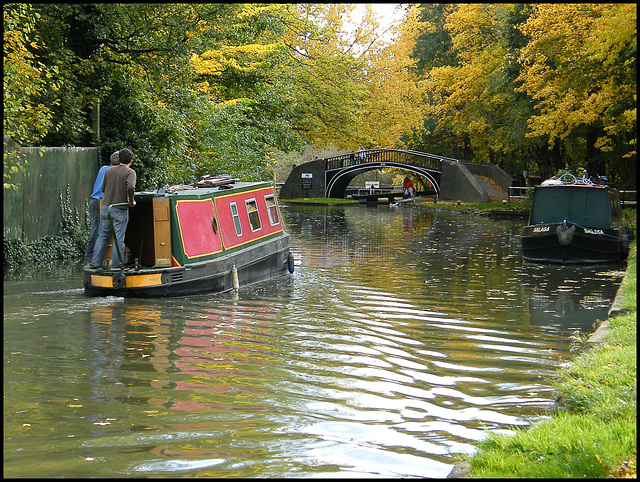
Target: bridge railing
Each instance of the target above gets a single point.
(628, 198)
(414, 158)
(517, 192)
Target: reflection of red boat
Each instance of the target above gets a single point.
(215, 237)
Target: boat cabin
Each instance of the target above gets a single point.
(593, 206)
(213, 237)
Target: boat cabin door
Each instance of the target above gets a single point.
(161, 232)
(148, 237)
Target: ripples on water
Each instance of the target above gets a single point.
(402, 337)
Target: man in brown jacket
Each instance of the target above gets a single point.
(119, 187)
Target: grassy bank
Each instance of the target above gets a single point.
(324, 201)
(592, 433)
(472, 207)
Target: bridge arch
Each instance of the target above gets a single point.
(340, 170)
(336, 183)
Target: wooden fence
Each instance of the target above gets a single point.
(33, 210)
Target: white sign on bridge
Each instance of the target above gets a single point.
(307, 180)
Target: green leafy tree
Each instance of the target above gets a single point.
(27, 118)
(137, 62)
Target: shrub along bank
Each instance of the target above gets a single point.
(592, 432)
(69, 243)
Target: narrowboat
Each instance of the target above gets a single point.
(212, 236)
(575, 221)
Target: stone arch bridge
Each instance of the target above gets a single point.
(447, 178)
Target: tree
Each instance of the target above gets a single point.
(433, 48)
(392, 104)
(348, 89)
(467, 90)
(579, 68)
(433, 44)
(27, 118)
(537, 87)
(143, 64)
(322, 76)
(249, 112)
(205, 88)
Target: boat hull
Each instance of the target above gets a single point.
(269, 259)
(555, 243)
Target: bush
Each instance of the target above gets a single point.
(69, 244)
(14, 251)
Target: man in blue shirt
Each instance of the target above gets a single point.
(94, 206)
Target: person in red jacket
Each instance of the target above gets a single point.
(407, 187)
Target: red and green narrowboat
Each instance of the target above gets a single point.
(214, 236)
(575, 221)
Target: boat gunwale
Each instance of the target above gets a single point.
(228, 253)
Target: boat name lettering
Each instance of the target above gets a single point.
(593, 231)
(544, 229)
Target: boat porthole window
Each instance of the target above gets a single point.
(214, 225)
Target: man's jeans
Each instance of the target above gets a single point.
(120, 220)
(94, 217)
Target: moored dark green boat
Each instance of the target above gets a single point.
(575, 222)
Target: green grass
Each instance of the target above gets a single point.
(592, 433)
(472, 207)
(567, 446)
(629, 288)
(601, 381)
(319, 200)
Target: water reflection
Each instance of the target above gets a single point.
(559, 297)
(403, 336)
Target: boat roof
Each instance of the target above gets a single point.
(201, 189)
(581, 183)
(591, 186)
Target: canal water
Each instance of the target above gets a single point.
(404, 335)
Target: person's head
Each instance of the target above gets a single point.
(125, 155)
(115, 158)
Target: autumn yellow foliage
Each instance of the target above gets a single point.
(578, 69)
